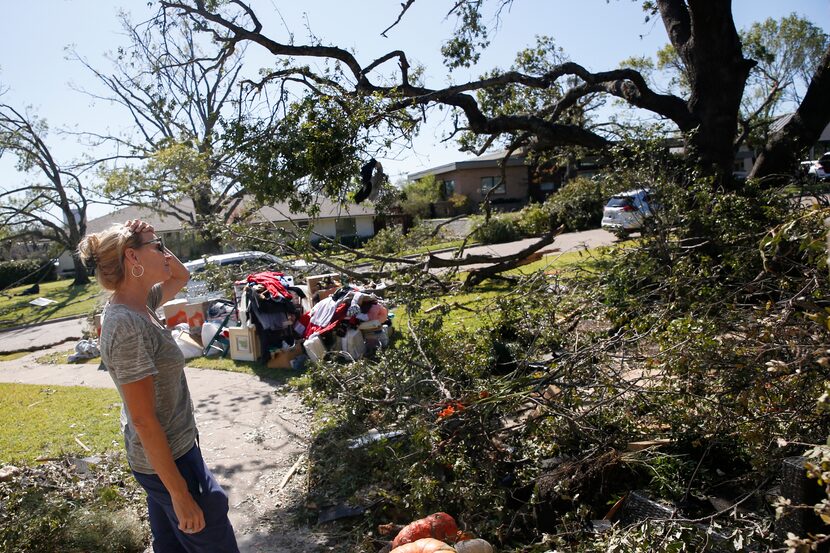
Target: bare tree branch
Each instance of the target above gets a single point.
(404, 7)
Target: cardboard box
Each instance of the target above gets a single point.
(244, 343)
(282, 359)
(180, 311)
(316, 283)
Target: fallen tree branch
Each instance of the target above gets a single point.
(510, 261)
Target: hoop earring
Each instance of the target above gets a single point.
(139, 275)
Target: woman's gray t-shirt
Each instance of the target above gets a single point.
(132, 348)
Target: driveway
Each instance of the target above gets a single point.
(252, 432)
(571, 241)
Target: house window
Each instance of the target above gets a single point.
(345, 226)
(449, 188)
(488, 183)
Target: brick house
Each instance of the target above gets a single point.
(474, 178)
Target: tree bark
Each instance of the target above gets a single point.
(704, 35)
(81, 274)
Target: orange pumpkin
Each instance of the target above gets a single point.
(424, 545)
(438, 525)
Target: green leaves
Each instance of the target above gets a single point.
(314, 149)
(463, 50)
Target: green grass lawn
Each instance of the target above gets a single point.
(471, 309)
(71, 300)
(39, 421)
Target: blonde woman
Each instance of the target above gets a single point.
(188, 510)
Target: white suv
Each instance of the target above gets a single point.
(819, 169)
(627, 211)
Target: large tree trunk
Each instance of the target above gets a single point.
(204, 213)
(777, 162)
(703, 34)
(81, 274)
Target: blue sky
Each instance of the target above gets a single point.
(598, 34)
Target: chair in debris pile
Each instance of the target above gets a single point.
(218, 339)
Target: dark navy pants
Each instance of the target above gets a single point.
(218, 534)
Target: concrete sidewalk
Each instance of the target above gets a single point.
(251, 432)
(571, 241)
(568, 242)
(41, 336)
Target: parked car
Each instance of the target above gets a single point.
(627, 211)
(263, 259)
(819, 169)
(253, 261)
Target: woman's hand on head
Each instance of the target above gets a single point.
(138, 226)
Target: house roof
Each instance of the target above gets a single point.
(328, 210)
(779, 123)
(160, 222)
(487, 160)
(274, 213)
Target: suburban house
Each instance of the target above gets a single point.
(474, 178)
(348, 222)
(524, 184)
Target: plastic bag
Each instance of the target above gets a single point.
(314, 348)
(353, 344)
(188, 346)
(85, 349)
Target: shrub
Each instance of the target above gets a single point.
(26, 271)
(578, 205)
(500, 228)
(418, 195)
(460, 202)
(387, 241)
(392, 240)
(535, 219)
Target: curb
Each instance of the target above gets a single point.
(34, 325)
(31, 349)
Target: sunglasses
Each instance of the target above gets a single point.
(157, 241)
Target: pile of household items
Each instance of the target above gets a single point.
(280, 324)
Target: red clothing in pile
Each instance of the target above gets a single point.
(272, 283)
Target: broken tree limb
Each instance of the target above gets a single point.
(417, 264)
(83, 445)
(510, 261)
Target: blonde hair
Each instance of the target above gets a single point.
(105, 251)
